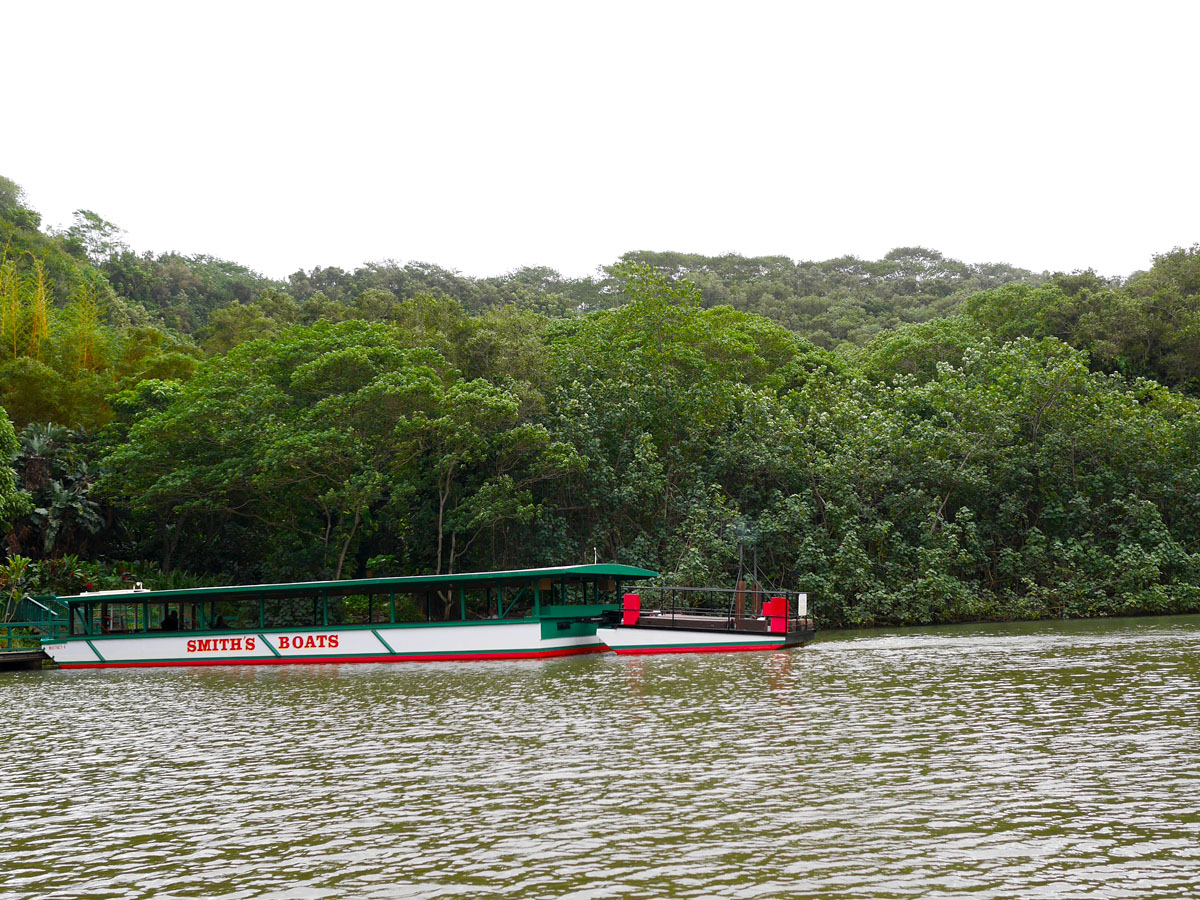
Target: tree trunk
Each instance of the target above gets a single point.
(444, 491)
(346, 545)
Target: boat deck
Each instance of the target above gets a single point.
(656, 619)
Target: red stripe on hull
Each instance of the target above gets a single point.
(286, 660)
(731, 648)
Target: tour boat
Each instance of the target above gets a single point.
(518, 614)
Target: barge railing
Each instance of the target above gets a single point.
(676, 603)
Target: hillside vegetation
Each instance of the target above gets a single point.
(912, 440)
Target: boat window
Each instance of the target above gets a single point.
(232, 613)
(442, 605)
(379, 609)
(122, 618)
(514, 601)
(292, 612)
(166, 617)
(479, 603)
(556, 593)
(80, 620)
(607, 591)
(410, 608)
(358, 609)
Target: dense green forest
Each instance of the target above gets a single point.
(912, 440)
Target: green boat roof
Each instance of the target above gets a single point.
(370, 585)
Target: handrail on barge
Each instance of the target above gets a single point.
(797, 601)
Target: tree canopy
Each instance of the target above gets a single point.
(912, 439)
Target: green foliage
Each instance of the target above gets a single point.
(182, 292)
(67, 341)
(941, 473)
(834, 302)
(911, 439)
(838, 301)
(651, 394)
(1006, 482)
(334, 443)
(13, 501)
(13, 210)
(53, 469)
(92, 238)
(68, 574)
(1148, 327)
(16, 579)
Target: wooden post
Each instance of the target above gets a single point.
(739, 601)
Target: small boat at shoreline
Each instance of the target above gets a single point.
(517, 614)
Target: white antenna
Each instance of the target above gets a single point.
(595, 555)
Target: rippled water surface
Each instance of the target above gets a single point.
(1058, 760)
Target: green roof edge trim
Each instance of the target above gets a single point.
(600, 570)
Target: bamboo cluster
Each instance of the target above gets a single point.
(28, 317)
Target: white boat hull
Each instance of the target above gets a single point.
(640, 639)
(382, 643)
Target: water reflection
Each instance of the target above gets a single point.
(1033, 760)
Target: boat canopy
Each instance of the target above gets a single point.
(374, 585)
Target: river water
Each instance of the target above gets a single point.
(1028, 760)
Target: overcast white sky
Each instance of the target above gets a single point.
(487, 136)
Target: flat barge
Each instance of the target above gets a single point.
(674, 627)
